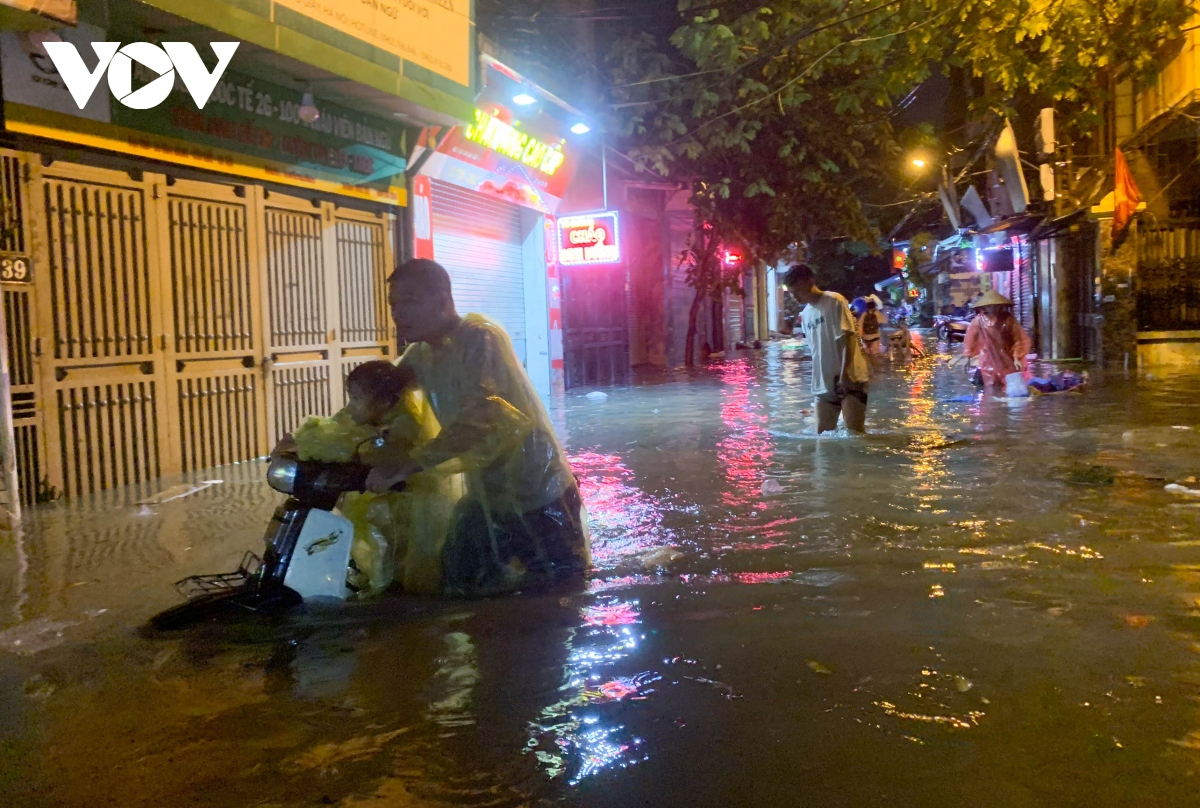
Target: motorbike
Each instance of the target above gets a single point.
(307, 553)
(951, 328)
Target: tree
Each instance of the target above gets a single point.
(786, 115)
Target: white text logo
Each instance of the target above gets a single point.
(161, 61)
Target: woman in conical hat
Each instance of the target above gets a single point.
(996, 338)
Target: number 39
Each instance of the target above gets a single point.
(14, 270)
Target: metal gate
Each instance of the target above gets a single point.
(216, 400)
(20, 318)
(177, 325)
(595, 313)
(326, 304)
(102, 371)
(364, 261)
(1168, 276)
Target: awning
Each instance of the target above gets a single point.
(889, 282)
(1050, 228)
(1015, 225)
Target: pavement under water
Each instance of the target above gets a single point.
(981, 603)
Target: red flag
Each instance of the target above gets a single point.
(1126, 197)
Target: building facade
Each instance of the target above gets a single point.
(200, 277)
(1148, 286)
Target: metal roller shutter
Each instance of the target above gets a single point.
(1025, 296)
(478, 240)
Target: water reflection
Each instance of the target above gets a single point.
(929, 440)
(795, 640)
(625, 521)
(456, 678)
(582, 734)
(746, 452)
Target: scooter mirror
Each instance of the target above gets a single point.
(281, 474)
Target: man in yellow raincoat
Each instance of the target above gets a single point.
(521, 521)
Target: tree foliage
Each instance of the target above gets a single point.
(786, 114)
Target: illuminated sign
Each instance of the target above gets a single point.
(513, 143)
(591, 239)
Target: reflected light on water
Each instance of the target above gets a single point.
(576, 735)
(747, 451)
(624, 520)
(929, 440)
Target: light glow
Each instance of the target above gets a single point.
(524, 99)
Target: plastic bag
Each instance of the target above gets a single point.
(397, 536)
(332, 440)
(376, 535)
(1015, 386)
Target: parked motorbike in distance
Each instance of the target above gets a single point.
(951, 328)
(307, 553)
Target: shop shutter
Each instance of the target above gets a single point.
(478, 240)
(1025, 296)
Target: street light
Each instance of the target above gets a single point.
(917, 162)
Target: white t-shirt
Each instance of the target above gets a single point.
(822, 324)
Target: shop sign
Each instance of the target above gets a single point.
(460, 160)
(435, 34)
(591, 239)
(520, 158)
(515, 144)
(248, 127)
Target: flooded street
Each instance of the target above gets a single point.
(981, 603)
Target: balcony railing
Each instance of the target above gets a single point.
(1178, 85)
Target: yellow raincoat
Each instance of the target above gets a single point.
(496, 432)
(397, 536)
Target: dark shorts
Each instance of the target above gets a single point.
(488, 554)
(856, 390)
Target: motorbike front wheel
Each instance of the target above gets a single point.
(228, 605)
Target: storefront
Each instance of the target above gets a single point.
(205, 271)
(486, 196)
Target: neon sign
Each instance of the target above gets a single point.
(494, 134)
(591, 239)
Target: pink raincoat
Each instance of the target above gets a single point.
(999, 342)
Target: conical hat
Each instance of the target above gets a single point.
(992, 298)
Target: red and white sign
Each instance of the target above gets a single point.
(422, 208)
(592, 239)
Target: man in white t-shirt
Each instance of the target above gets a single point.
(839, 368)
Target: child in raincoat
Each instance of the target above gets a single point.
(398, 535)
(996, 339)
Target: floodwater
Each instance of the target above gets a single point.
(981, 603)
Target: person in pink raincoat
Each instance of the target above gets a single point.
(995, 339)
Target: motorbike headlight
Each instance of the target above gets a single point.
(281, 474)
